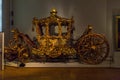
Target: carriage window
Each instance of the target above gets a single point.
(64, 30)
(53, 28)
(43, 30)
(56, 29)
(64, 26)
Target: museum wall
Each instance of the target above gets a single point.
(113, 8)
(6, 20)
(98, 13)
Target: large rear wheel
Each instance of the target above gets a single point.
(92, 48)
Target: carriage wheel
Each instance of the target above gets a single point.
(10, 54)
(23, 55)
(92, 48)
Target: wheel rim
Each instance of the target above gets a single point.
(93, 48)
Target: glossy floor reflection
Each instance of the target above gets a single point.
(59, 73)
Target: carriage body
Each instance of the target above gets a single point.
(54, 35)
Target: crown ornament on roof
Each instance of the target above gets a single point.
(53, 11)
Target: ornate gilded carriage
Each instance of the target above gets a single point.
(54, 39)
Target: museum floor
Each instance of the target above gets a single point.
(66, 73)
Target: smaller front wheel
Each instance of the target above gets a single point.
(10, 55)
(23, 55)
